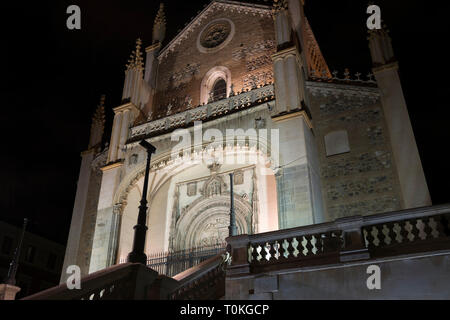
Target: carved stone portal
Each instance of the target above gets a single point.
(205, 222)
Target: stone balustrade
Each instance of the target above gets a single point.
(121, 282)
(347, 239)
(205, 281)
(204, 113)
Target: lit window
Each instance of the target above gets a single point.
(219, 91)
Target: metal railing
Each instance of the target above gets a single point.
(171, 263)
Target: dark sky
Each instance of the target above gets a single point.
(54, 79)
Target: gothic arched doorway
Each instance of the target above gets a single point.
(205, 222)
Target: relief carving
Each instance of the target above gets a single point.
(192, 189)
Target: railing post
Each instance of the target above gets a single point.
(353, 247)
(238, 249)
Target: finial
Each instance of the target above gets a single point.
(279, 5)
(347, 74)
(160, 16)
(136, 60)
(159, 26)
(99, 115)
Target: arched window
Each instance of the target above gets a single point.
(216, 85)
(219, 90)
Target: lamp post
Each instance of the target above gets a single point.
(140, 230)
(232, 228)
(11, 277)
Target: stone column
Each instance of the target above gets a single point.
(78, 214)
(298, 181)
(289, 81)
(8, 292)
(413, 185)
(106, 223)
(123, 133)
(115, 136)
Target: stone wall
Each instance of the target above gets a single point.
(247, 56)
(364, 180)
(419, 277)
(89, 220)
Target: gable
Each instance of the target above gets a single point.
(232, 41)
(214, 6)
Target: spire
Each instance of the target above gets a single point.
(136, 60)
(98, 124)
(380, 44)
(279, 5)
(159, 27)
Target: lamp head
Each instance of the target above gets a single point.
(150, 148)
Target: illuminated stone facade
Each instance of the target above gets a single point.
(276, 81)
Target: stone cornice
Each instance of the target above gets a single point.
(284, 53)
(112, 166)
(335, 89)
(153, 47)
(385, 67)
(128, 106)
(294, 115)
(205, 113)
(233, 6)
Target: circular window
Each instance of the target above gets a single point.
(216, 35)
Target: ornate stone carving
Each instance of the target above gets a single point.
(214, 232)
(99, 161)
(235, 8)
(261, 47)
(133, 159)
(259, 62)
(118, 208)
(221, 107)
(215, 35)
(238, 178)
(136, 60)
(192, 189)
(185, 74)
(260, 123)
(214, 167)
(257, 79)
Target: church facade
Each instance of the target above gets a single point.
(243, 89)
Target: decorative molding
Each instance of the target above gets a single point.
(231, 6)
(203, 113)
(112, 166)
(257, 49)
(302, 114)
(207, 41)
(128, 106)
(332, 89)
(99, 161)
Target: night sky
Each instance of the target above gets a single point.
(55, 77)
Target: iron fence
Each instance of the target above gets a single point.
(172, 263)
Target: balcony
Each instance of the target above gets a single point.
(207, 112)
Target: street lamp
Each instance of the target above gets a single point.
(232, 230)
(11, 277)
(140, 230)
